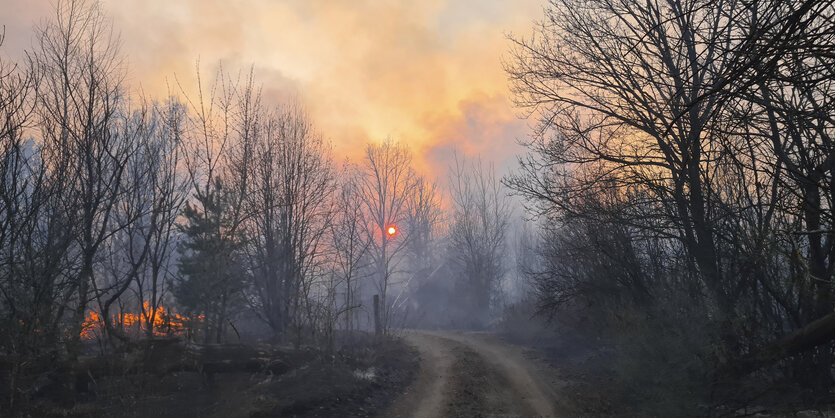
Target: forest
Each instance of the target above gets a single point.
(665, 244)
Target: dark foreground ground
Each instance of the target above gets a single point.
(424, 374)
(593, 381)
(359, 381)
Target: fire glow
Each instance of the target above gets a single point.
(164, 322)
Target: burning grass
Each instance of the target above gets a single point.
(161, 321)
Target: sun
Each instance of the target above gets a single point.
(391, 230)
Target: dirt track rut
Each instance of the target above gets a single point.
(469, 374)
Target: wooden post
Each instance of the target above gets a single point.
(378, 328)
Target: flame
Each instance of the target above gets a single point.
(164, 322)
(91, 324)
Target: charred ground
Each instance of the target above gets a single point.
(169, 377)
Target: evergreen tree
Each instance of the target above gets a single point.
(210, 277)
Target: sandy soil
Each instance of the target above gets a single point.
(468, 374)
(424, 398)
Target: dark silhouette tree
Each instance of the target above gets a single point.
(210, 277)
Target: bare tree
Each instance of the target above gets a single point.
(33, 247)
(425, 231)
(166, 192)
(140, 253)
(81, 104)
(697, 135)
(34, 240)
(480, 217)
(387, 184)
(350, 243)
(289, 207)
(127, 248)
(424, 219)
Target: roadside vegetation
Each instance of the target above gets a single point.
(681, 174)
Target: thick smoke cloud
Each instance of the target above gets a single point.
(426, 73)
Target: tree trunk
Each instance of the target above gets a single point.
(819, 332)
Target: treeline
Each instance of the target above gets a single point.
(124, 217)
(684, 171)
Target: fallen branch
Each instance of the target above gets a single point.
(818, 332)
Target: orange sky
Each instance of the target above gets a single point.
(427, 73)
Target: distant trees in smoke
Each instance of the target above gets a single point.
(683, 172)
(478, 229)
(350, 247)
(124, 217)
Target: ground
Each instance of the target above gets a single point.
(357, 382)
(474, 375)
(423, 374)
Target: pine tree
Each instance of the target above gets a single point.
(210, 278)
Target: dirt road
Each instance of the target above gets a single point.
(468, 375)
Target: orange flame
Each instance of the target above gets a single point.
(164, 322)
